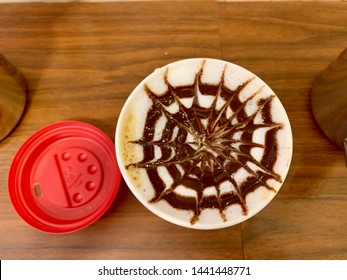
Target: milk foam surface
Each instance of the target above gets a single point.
(203, 143)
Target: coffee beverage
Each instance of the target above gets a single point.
(203, 143)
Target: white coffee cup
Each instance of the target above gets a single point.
(203, 143)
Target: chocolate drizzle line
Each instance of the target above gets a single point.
(215, 154)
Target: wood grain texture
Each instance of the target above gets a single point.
(99, 1)
(81, 62)
(287, 45)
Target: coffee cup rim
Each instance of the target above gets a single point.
(167, 216)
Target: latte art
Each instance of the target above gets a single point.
(206, 140)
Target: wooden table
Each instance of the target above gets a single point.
(82, 61)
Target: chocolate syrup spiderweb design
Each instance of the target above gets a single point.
(204, 147)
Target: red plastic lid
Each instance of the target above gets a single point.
(64, 177)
